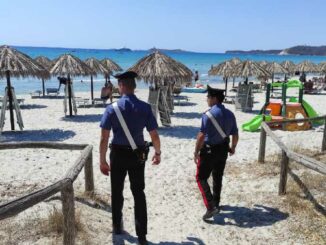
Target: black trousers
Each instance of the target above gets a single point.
(122, 162)
(212, 161)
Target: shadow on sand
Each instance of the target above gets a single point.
(248, 217)
(38, 135)
(83, 118)
(32, 106)
(188, 115)
(120, 239)
(181, 132)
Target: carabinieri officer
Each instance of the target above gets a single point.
(212, 148)
(137, 115)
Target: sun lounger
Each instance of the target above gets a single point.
(179, 98)
(35, 94)
(81, 102)
(54, 91)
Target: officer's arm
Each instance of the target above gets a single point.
(156, 141)
(104, 145)
(199, 142)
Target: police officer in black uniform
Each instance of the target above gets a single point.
(123, 159)
(212, 149)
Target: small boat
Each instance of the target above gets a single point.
(198, 88)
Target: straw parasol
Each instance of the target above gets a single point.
(224, 69)
(160, 69)
(289, 65)
(234, 61)
(98, 68)
(250, 68)
(47, 64)
(307, 66)
(111, 66)
(262, 63)
(275, 68)
(322, 67)
(14, 63)
(69, 65)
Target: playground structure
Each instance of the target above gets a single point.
(281, 109)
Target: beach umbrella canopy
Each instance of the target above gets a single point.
(224, 69)
(322, 67)
(235, 61)
(98, 68)
(47, 64)
(44, 61)
(14, 63)
(307, 66)
(262, 63)
(160, 69)
(69, 65)
(110, 65)
(276, 68)
(289, 65)
(250, 68)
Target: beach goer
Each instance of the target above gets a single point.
(196, 76)
(106, 91)
(212, 147)
(62, 80)
(123, 159)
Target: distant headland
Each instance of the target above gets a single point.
(296, 50)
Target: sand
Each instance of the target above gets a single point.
(252, 212)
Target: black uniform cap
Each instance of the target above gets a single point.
(215, 92)
(126, 75)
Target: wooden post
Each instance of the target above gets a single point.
(283, 174)
(11, 107)
(69, 95)
(43, 87)
(68, 210)
(323, 146)
(89, 179)
(92, 90)
(262, 146)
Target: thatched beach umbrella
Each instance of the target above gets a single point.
(289, 65)
(98, 68)
(250, 68)
(17, 64)
(275, 68)
(263, 63)
(111, 66)
(69, 65)
(160, 69)
(235, 61)
(307, 66)
(47, 64)
(224, 69)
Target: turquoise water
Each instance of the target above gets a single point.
(195, 61)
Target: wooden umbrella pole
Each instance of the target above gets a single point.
(12, 122)
(43, 87)
(92, 89)
(69, 95)
(226, 86)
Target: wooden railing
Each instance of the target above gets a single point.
(288, 154)
(65, 185)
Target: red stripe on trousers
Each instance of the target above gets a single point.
(199, 185)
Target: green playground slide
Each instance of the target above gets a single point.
(254, 124)
(309, 109)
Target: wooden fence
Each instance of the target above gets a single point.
(65, 185)
(288, 154)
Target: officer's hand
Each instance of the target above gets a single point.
(105, 168)
(156, 159)
(232, 151)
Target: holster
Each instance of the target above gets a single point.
(142, 152)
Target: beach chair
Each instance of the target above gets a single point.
(35, 94)
(81, 102)
(53, 91)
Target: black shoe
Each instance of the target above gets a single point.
(142, 241)
(210, 213)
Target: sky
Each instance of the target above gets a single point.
(194, 25)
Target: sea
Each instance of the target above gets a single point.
(200, 62)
